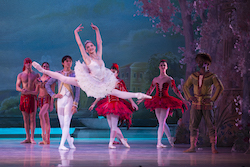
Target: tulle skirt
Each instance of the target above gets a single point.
(121, 107)
(164, 102)
(92, 86)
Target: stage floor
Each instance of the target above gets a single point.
(95, 152)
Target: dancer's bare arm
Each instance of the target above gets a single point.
(98, 40)
(93, 104)
(85, 56)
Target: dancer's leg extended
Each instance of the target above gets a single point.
(129, 95)
(56, 75)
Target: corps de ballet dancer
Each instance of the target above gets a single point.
(115, 109)
(162, 103)
(92, 76)
(45, 103)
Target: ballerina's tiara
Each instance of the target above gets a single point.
(87, 41)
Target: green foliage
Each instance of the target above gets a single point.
(10, 105)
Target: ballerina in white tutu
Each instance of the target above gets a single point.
(92, 76)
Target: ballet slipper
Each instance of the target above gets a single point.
(71, 145)
(142, 96)
(63, 148)
(124, 142)
(37, 66)
(25, 141)
(161, 146)
(111, 146)
(171, 141)
(32, 141)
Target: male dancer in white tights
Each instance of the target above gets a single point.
(67, 101)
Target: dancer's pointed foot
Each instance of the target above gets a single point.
(63, 148)
(111, 146)
(171, 141)
(124, 142)
(37, 66)
(142, 96)
(161, 146)
(71, 145)
(32, 141)
(25, 141)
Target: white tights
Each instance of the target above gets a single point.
(73, 81)
(162, 115)
(114, 130)
(64, 107)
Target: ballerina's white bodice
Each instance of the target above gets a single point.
(94, 79)
(96, 70)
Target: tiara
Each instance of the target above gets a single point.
(87, 41)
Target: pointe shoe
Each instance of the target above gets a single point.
(161, 146)
(37, 66)
(71, 145)
(171, 141)
(142, 96)
(25, 141)
(124, 142)
(112, 146)
(63, 148)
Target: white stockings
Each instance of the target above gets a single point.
(115, 131)
(162, 115)
(64, 107)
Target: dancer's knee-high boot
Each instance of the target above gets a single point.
(213, 141)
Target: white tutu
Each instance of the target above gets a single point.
(96, 81)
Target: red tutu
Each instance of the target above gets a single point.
(161, 99)
(117, 107)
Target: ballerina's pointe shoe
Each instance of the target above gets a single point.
(71, 145)
(171, 141)
(112, 146)
(124, 142)
(161, 146)
(63, 148)
(37, 66)
(142, 96)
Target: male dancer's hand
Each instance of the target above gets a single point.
(206, 101)
(59, 96)
(194, 99)
(74, 110)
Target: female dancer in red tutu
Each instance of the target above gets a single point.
(114, 109)
(162, 103)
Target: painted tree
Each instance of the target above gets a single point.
(220, 28)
